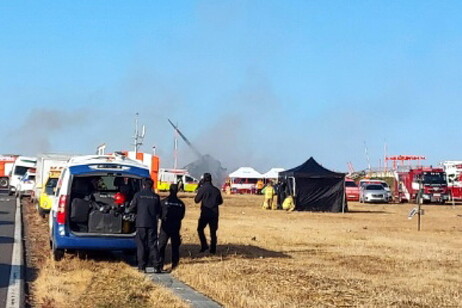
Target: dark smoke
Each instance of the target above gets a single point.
(249, 129)
(207, 163)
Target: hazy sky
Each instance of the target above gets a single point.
(256, 83)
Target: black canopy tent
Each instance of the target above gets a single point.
(316, 188)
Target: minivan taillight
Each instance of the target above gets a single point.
(61, 214)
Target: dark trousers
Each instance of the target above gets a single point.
(213, 226)
(175, 242)
(146, 247)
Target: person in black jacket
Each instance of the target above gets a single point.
(172, 212)
(210, 196)
(146, 205)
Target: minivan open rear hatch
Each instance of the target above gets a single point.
(98, 204)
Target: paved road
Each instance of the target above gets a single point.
(7, 211)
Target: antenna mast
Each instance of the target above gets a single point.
(139, 135)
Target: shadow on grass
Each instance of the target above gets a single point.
(187, 251)
(228, 251)
(103, 256)
(367, 212)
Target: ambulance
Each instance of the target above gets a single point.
(176, 176)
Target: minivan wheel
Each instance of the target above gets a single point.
(56, 254)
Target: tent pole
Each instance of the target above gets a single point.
(344, 192)
(293, 179)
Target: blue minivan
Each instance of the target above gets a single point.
(90, 208)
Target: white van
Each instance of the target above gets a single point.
(26, 185)
(19, 169)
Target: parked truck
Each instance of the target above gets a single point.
(453, 170)
(423, 184)
(6, 165)
(49, 167)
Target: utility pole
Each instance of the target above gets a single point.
(367, 157)
(139, 135)
(419, 204)
(418, 210)
(385, 161)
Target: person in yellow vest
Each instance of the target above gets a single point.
(269, 193)
(259, 186)
(288, 204)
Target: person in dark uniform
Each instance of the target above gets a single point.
(146, 205)
(201, 182)
(172, 212)
(280, 191)
(210, 198)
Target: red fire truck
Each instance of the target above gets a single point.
(6, 164)
(424, 184)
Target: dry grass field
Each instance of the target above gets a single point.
(370, 257)
(96, 280)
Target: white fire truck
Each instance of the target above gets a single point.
(453, 169)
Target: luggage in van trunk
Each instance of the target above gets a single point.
(79, 210)
(108, 223)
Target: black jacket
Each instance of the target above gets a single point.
(210, 196)
(146, 205)
(172, 212)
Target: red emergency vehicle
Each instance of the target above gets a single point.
(6, 164)
(453, 169)
(425, 183)
(352, 190)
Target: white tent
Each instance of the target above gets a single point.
(273, 173)
(246, 173)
